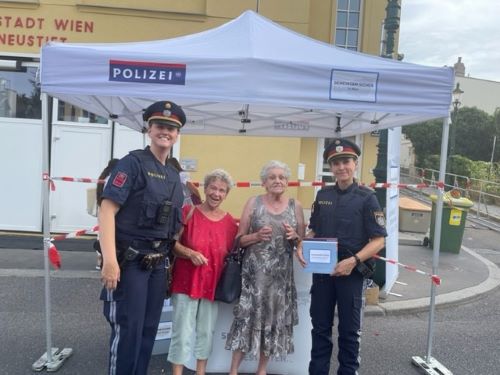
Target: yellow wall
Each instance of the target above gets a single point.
(27, 24)
(308, 156)
(369, 158)
(243, 158)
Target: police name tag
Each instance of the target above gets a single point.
(320, 254)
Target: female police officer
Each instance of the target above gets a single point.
(139, 216)
(351, 214)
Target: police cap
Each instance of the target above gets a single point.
(165, 112)
(341, 147)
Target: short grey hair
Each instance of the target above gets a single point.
(274, 164)
(218, 174)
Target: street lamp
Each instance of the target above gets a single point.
(457, 94)
(391, 26)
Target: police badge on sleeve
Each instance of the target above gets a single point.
(379, 218)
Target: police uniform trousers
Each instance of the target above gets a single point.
(133, 311)
(346, 293)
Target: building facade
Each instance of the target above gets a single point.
(82, 143)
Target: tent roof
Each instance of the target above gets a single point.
(250, 74)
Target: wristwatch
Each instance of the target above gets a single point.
(358, 261)
(296, 242)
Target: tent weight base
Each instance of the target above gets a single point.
(58, 358)
(431, 367)
(40, 363)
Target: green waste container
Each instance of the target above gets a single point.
(452, 223)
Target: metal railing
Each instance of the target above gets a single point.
(485, 194)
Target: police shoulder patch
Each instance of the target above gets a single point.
(120, 179)
(379, 218)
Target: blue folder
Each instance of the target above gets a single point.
(320, 254)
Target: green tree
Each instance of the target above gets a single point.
(473, 129)
(425, 138)
(496, 121)
(474, 132)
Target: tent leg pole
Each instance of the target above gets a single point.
(52, 359)
(429, 365)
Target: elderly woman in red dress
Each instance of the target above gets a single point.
(207, 237)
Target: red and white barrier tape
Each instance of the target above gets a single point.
(79, 179)
(435, 278)
(404, 186)
(247, 184)
(53, 250)
(77, 233)
(54, 256)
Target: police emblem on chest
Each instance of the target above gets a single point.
(379, 218)
(325, 203)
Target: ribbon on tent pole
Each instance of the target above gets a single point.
(54, 256)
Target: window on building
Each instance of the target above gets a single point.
(347, 29)
(19, 94)
(70, 113)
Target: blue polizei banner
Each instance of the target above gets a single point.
(147, 72)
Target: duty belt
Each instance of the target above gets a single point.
(148, 261)
(154, 245)
(151, 260)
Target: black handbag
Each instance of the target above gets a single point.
(228, 288)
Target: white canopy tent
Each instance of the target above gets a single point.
(294, 85)
(249, 76)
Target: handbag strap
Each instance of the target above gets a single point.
(237, 251)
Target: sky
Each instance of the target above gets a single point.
(437, 32)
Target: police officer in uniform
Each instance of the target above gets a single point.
(351, 214)
(140, 214)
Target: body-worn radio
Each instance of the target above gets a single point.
(128, 255)
(366, 270)
(164, 212)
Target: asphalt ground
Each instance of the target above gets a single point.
(77, 320)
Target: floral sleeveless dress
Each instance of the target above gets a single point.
(267, 309)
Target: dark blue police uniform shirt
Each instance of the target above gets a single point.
(353, 216)
(140, 184)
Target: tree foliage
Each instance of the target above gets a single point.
(425, 138)
(473, 131)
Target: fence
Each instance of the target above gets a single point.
(485, 194)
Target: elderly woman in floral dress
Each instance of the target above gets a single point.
(271, 225)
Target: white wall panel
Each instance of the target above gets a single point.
(77, 151)
(21, 174)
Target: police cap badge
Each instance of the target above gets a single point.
(165, 112)
(341, 147)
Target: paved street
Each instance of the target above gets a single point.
(465, 339)
(466, 336)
